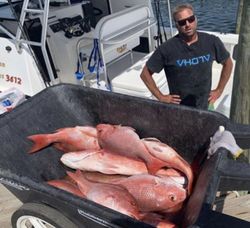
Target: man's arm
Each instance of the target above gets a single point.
(224, 77)
(147, 78)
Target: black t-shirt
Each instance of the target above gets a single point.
(189, 68)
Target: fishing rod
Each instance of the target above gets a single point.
(160, 22)
(158, 37)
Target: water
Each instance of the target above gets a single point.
(213, 15)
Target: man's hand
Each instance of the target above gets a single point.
(174, 99)
(214, 95)
(227, 67)
(224, 139)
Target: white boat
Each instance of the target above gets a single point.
(53, 41)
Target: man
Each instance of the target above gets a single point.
(187, 60)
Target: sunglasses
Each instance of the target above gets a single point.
(183, 22)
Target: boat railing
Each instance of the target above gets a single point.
(20, 37)
(120, 28)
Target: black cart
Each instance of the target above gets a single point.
(185, 129)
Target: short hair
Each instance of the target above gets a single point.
(181, 7)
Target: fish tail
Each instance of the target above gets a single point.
(40, 141)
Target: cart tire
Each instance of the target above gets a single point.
(34, 214)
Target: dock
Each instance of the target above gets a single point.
(8, 205)
(230, 203)
(234, 204)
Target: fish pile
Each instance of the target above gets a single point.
(143, 178)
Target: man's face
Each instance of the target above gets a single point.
(186, 22)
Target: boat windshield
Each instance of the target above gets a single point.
(9, 16)
(10, 10)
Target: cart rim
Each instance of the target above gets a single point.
(28, 221)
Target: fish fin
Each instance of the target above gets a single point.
(57, 182)
(88, 130)
(76, 176)
(187, 170)
(59, 146)
(82, 183)
(72, 175)
(68, 178)
(40, 141)
(66, 186)
(189, 187)
(61, 129)
(130, 128)
(151, 139)
(154, 165)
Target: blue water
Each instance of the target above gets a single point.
(213, 15)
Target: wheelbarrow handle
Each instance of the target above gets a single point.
(241, 132)
(234, 175)
(209, 218)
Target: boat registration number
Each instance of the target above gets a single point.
(11, 79)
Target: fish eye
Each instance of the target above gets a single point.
(172, 197)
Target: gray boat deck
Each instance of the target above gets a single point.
(231, 204)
